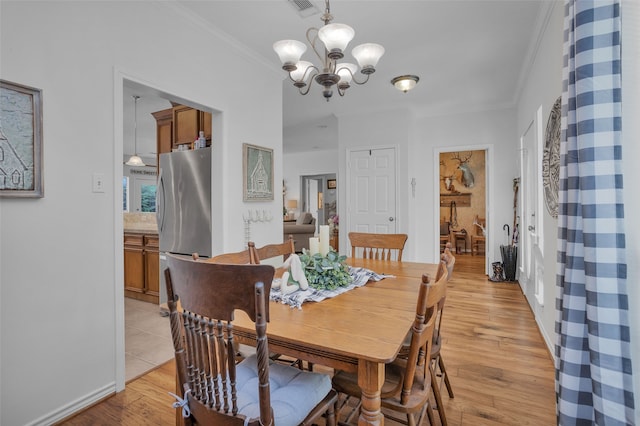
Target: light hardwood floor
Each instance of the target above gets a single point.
(500, 368)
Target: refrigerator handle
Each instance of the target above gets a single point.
(160, 202)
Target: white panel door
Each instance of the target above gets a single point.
(532, 258)
(372, 191)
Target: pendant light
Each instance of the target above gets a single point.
(135, 160)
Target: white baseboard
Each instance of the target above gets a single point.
(75, 406)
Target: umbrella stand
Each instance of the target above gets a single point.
(509, 261)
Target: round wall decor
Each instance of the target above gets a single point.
(551, 159)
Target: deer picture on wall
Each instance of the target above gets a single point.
(463, 165)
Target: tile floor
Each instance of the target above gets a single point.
(147, 341)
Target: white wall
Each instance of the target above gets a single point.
(382, 129)
(416, 139)
(543, 86)
(61, 256)
(493, 130)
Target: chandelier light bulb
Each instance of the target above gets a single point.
(368, 55)
(298, 74)
(346, 72)
(289, 52)
(336, 37)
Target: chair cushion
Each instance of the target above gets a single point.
(294, 393)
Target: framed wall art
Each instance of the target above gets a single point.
(20, 141)
(551, 159)
(257, 173)
(331, 184)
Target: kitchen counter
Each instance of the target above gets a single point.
(140, 223)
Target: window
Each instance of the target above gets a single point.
(148, 198)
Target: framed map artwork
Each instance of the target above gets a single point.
(257, 173)
(20, 141)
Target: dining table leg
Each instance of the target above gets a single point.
(370, 380)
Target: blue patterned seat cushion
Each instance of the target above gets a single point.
(294, 393)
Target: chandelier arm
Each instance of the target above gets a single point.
(308, 75)
(360, 82)
(312, 42)
(312, 74)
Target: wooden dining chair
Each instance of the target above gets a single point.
(213, 389)
(377, 246)
(478, 238)
(445, 235)
(236, 258)
(437, 371)
(284, 249)
(407, 383)
(271, 251)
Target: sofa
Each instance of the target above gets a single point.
(301, 230)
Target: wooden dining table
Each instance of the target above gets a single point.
(357, 331)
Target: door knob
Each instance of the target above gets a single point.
(391, 219)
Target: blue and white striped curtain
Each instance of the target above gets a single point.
(593, 354)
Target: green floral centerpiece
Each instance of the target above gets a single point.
(325, 272)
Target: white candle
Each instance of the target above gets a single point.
(324, 239)
(313, 245)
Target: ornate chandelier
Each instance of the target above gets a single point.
(335, 38)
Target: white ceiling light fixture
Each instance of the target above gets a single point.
(135, 160)
(405, 83)
(335, 38)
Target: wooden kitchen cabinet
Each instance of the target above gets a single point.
(141, 267)
(164, 130)
(181, 125)
(152, 265)
(187, 123)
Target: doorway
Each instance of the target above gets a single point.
(151, 344)
(462, 188)
(319, 196)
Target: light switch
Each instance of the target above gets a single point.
(98, 182)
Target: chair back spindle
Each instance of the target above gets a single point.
(377, 246)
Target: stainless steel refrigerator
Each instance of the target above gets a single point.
(183, 206)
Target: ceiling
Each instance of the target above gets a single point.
(469, 54)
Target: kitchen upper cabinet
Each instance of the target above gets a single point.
(186, 125)
(142, 267)
(181, 125)
(164, 130)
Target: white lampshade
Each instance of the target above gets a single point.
(301, 68)
(336, 36)
(368, 54)
(135, 161)
(343, 72)
(405, 82)
(289, 51)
